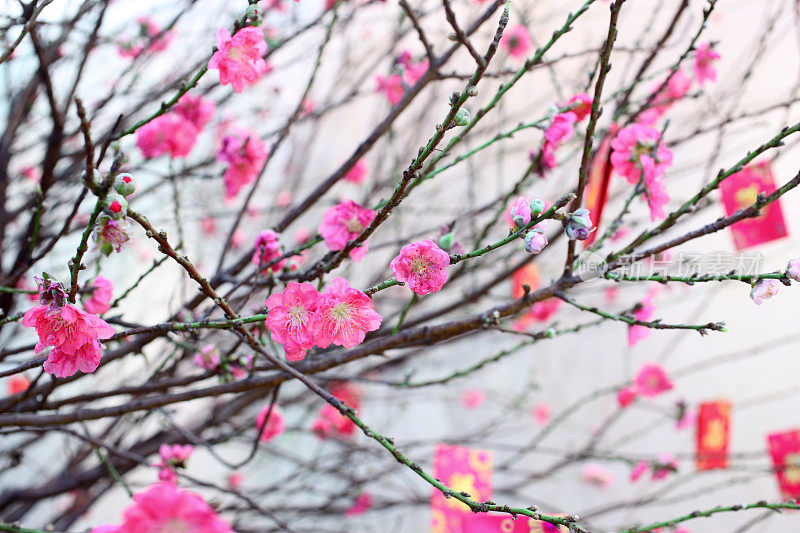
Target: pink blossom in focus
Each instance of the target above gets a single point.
(344, 222)
(207, 358)
(344, 316)
(626, 395)
(100, 300)
(473, 398)
(267, 249)
(793, 269)
(423, 265)
(358, 173)
(73, 334)
(516, 42)
(361, 505)
(597, 475)
(637, 143)
(245, 154)
(164, 508)
(275, 424)
(639, 470)
(195, 109)
(541, 414)
(520, 207)
(704, 59)
(289, 318)
(238, 58)
(169, 133)
(652, 380)
(764, 289)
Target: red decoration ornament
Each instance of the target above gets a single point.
(713, 435)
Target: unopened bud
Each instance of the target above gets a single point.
(462, 117)
(446, 241)
(124, 184)
(579, 225)
(537, 207)
(116, 206)
(535, 241)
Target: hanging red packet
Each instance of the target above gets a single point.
(599, 179)
(785, 451)
(740, 191)
(496, 523)
(464, 470)
(713, 435)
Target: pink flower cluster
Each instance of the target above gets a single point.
(207, 358)
(162, 507)
(423, 265)
(239, 57)
(638, 154)
(704, 59)
(172, 457)
(245, 154)
(665, 465)
(344, 222)
(361, 505)
(150, 38)
(651, 380)
(267, 249)
(406, 74)
(562, 128)
(73, 334)
(300, 317)
(643, 312)
(100, 300)
(330, 421)
(175, 133)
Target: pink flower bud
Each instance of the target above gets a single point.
(764, 289)
(793, 269)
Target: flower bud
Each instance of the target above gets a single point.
(579, 225)
(537, 207)
(116, 206)
(124, 184)
(462, 117)
(793, 269)
(253, 14)
(764, 289)
(446, 241)
(535, 241)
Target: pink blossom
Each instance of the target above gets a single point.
(344, 315)
(245, 154)
(302, 235)
(235, 480)
(635, 144)
(267, 249)
(237, 239)
(667, 464)
(169, 133)
(100, 300)
(344, 222)
(561, 129)
(548, 157)
(652, 380)
(238, 58)
(150, 38)
(597, 475)
(611, 293)
(541, 414)
(679, 84)
(639, 470)
(704, 58)
(688, 420)
(391, 86)
(473, 398)
(414, 71)
(358, 173)
(162, 507)
(195, 109)
(626, 395)
(207, 358)
(32, 174)
(289, 318)
(73, 334)
(582, 103)
(284, 198)
(542, 311)
(361, 505)
(17, 384)
(519, 213)
(644, 312)
(275, 424)
(764, 289)
(208, 225)
(793, 269)
(423, 265)
(516, 42)
(110, 234)
(172, 457)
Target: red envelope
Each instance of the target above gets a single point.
(495, 523)
(599, 179)
(740, 191)
(465, 470)
(785, 451)
(713, 435)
